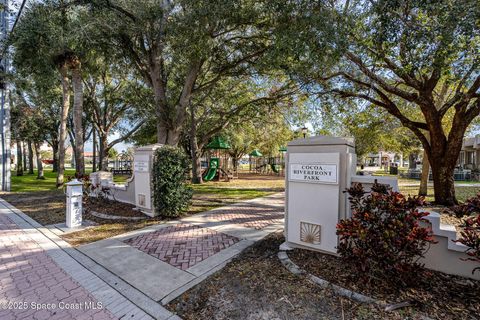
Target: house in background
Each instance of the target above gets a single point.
(47, 153)
(470, 154)
(383, 158)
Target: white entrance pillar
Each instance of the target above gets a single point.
(142, 167)
(318, 170)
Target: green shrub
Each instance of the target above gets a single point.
(171, 194)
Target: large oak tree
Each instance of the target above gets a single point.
(176, 45)
(397, 55)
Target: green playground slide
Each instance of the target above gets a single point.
(275, 168)
(212, 169)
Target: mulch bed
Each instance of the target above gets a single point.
(255, 285)
(436, 294)
(47, 207)
(111, 207)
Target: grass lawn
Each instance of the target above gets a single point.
(463, 189)
(120, 179)
(42, 201)
(462, 192)
(30, 183)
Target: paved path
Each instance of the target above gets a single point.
(40, 280)
(33, 286)
(163, 261)
(124, 277)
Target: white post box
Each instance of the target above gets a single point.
(74, 203)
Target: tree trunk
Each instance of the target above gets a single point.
(443, 155)
(171, 120)
(196, 169)
(412, 157)
(40, 175)
(235, 161)
(55, 157)
(444, 184)
(103, 156)
(196, 163)
(30, 158)
(73, 161)
(63, 124)
(94, 160)
(167, 135)
(77, 85)
(423, 190)
(19, 158)
(25, 162)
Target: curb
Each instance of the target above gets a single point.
(112, 217)
(355, 296)
(358, 297)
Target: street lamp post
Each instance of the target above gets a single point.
(4, 105)
(304, 131)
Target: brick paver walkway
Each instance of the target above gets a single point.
(33, 286)
(249, 215)
(182, 245)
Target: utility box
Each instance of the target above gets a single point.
(142, 168)
(318, 171)
(393, 169)
(74, 194)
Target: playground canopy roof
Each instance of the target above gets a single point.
(218, 143)
(256, 153)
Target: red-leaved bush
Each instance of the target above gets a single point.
(384, 238)
(471, 206)
(470, 236)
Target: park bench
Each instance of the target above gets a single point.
(121, 171)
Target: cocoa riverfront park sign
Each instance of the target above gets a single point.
(313, 173)
(141, 166)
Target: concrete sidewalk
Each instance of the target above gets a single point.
(39, 280)
(127, 275)
(163, 261)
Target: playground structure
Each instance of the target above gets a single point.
(218, 164)
(212, 169)
(267, 165)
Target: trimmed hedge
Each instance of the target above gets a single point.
(171, 193)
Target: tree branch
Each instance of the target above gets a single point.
(392, 109)
(127, 135)
(412, 97)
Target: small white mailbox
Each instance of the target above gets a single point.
(74, 203)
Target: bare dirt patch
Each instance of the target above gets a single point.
(436, 294)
